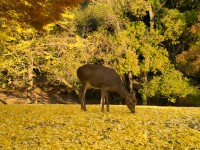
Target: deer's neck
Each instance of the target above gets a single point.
(122, 91)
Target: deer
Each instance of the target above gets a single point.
(107, 80)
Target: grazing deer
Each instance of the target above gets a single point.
(106, 79)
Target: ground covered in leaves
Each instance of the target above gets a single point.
(67, 127)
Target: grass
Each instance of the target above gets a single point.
(67, 127)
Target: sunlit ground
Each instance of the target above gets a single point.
(67, 127)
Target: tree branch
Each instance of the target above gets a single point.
(161, 6)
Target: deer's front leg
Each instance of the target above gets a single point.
(103, 95)
(107, 102)
(81, 98)
(102, 106)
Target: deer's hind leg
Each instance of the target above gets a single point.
(82, 92)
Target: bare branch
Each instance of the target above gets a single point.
(161, 6)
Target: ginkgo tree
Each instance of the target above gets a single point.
(35, 13)
(26, 55)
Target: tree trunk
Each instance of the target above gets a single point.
(145, 73)
(130, 79)
(151, 15)
(30, 78)
(144, 81)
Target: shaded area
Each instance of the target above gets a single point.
(93, 96)
(40, 96)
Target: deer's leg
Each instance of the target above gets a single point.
(82, 92)
(103, 95)
(107, 101)
(103, 102)
(81, 97)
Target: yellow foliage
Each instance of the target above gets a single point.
(67, 127)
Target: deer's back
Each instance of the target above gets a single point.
(98, 76)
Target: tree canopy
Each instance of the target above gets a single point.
(36, 13)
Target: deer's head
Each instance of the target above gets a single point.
(131, 101)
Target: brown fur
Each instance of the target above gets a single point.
(105, 79)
